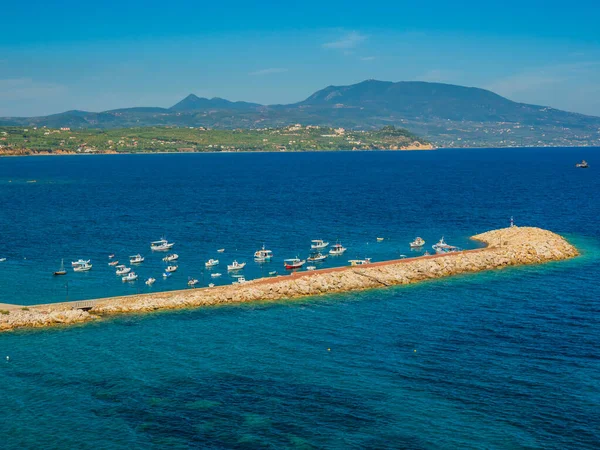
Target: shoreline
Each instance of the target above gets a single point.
(505, 247)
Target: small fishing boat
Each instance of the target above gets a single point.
(80, 262)
(359, 262)
(337, 249)
(317, 257)
(221, 250)
(2, 259)
(62, 270)
(311, 268)
(150, 281)
(82, 267)
(274, 272)
(403, 256)
(113, 263)
(442, 247)
(211, 285)
(293, 263)
(582, 165)
(215, 275)
(136, 259)
(418, 242)
(236, 266)
(166, 274)
(318, 243)
(426, 254)
(192, 282)
(130, 277)
(111, 256)
(263, 255)
(162, 245)
(212, 263)
(171, 268)
(380, 239)
(122, 270)
(171, 257)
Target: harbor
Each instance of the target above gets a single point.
(510, 246)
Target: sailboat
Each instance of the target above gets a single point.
(62, 270)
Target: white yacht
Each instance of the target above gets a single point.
(442, 247)
(337, 249)
(122, 270)
(130, 277)
(170, 269)
(263, 255)
(171, 257)
(82, 267)
(136, 259)
(162, 245)
(236, 266)
(318, 243)
(80, 262)
(418, 242)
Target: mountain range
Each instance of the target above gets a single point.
(446, 114)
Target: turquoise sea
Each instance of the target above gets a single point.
(499, 360)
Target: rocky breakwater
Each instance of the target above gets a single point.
(505, 247)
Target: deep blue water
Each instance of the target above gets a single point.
(505, 359)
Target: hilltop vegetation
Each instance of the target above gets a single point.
(447, 115)
(26, 141)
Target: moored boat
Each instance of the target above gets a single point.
(171, 269)
(111, 256)
(311, 268)
(166, 274)
(171, 257)
(318, 244)
(317, 257)
(582, 165)
(80, 262)
(136, 259)
(380, 239)
(359, 262)
(293, 263)
(150, 281)
(240, 280)
(263, 255)
(221, 250)
(122, 270)
(62, 270)
(236, 266)
(162, 245)
(211, 263)
(215, 275)
(337, 249)
(443, 247)
(418, 242)
(132, 276)
(82, 267)
(113, 263)
(192, 282)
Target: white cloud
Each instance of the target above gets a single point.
(268, 71)
(347, 41)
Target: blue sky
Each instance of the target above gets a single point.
(78, 55)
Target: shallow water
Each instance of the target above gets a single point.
(504, 359)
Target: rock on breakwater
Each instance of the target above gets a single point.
(505, 247)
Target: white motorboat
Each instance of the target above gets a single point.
(171, 257)
(122, 270)
(274, 272)
(221, 250)
(337, 249)
(359, 262)
(82, 267)
(132, 276)
(311, 268)
(111, 256)
(170, 269)
(2, 259)
(442, 247)
(136, 259)
(317, 257)
(240, 280)
(192, 282)
(263, 255)
(113, 263)
(150, 281)
(318, 243)
(380, 239)
(80, 262)
(211, 263)
(162, 245)
(236, 266)
(215, 275)
(418, 242)
(293, 263)
(166, 274)
(211, 285)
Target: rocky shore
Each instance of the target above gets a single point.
(505, 247)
